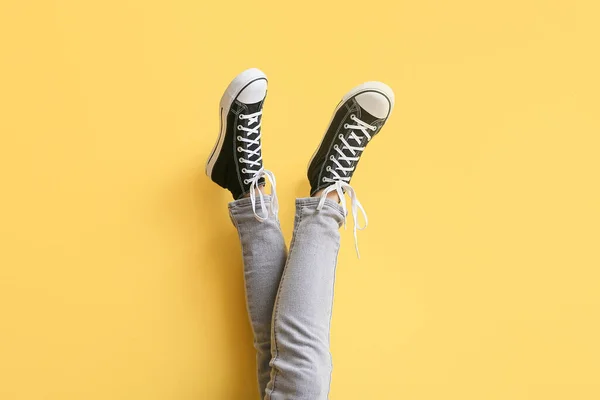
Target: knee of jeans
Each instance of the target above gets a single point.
(317, 377)
(307, 376)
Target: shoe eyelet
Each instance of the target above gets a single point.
(328, 169)
(346, 126)
(332, 158)
(340, 136)
(245, 182)
(240, 159)
(239, 138)
(352, 117)
(239, 127)
(241, 116)
(335, 146)
(323, 180)
(239, 149)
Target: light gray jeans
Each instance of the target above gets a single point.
(290, 297)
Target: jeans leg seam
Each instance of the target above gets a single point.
(246, 291)
(330, 317)
(276, 308)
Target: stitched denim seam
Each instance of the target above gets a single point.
(330, 317)
(237, 227)
(276, 310)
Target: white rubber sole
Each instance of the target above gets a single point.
(231, 93)
(373, 86)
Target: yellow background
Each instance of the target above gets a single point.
(120, 272)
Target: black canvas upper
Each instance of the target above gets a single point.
(318, 168)
(228, 172)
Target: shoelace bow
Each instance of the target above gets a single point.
(257, 174)
(340, 180)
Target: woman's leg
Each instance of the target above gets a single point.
(301, 362)
(236, 164)
(264, 255)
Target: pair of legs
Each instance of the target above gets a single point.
(290, 296)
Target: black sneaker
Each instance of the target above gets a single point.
(236, 157)
(356, 120)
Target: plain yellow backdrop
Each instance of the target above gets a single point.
(120, 272)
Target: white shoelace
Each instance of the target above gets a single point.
(340, 180)
(252, 119)
(274, 201)
(257, 173)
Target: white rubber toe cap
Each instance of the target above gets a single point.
(378, 102)
(254, 92)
